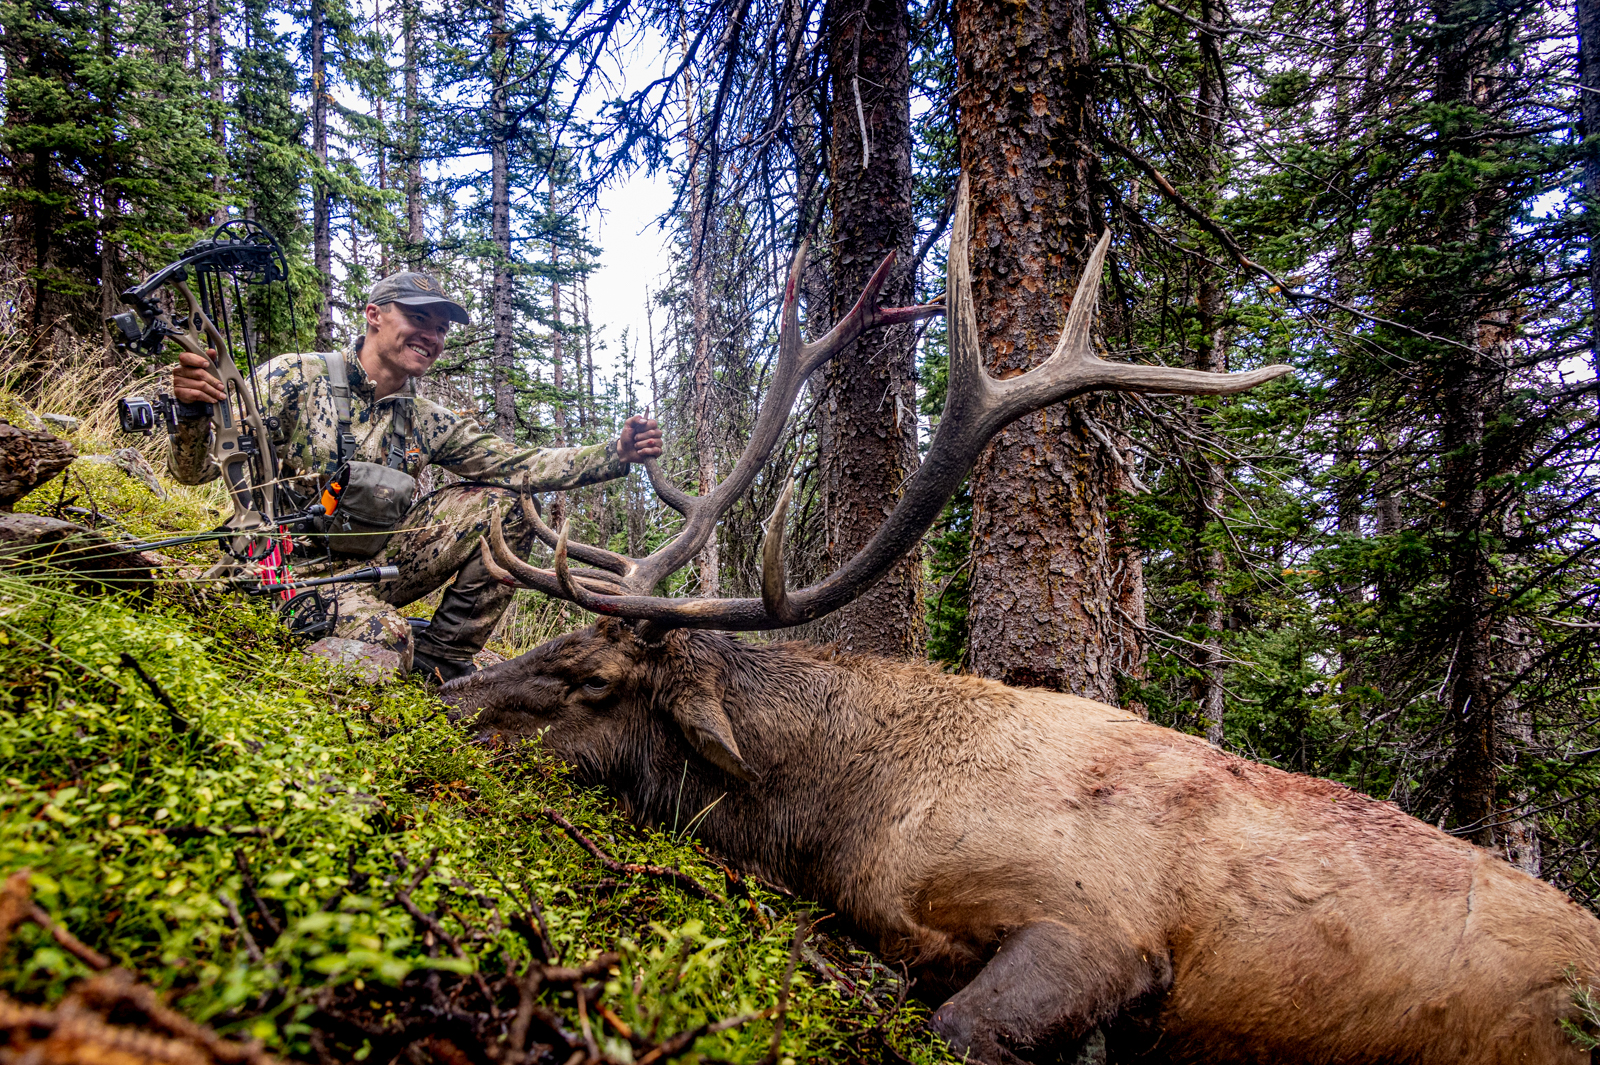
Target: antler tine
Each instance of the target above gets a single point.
(669, 493)
(795, 363)
(1073, 368)
(774, 590)
(570, 588)
(621, 565)
(504, 565)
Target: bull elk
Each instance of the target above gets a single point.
(1048, 863)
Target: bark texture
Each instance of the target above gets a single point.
(503, 359)
(1588, 21)
(867, 415)
(321, 222)
(29, 459)
(1053, 584)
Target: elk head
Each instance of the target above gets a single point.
(616, 586)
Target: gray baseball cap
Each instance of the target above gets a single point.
(412, 289)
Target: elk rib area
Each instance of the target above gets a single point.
(867, 419)
(1056, 593)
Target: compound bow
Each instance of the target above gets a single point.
(241, 440)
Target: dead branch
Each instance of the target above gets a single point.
(683, 880)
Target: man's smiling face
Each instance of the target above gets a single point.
(407, 339)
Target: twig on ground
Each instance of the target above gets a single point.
(802, 931)
(180, 724)
(255, 898)
(239, 926)
(17, 906)
(683, 880)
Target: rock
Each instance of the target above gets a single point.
(29, 459)
(131, 462)
(61, 423)
(30, 420)
(369, 662)
(486, 658)
(36, 544)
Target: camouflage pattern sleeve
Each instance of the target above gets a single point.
(189, 453)
(189, 449)
(466, 449)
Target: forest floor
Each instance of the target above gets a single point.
(315, 868)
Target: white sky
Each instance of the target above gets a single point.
(633, 258)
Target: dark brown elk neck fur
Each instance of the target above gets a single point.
(814, 724)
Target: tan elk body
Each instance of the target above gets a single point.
(1210, 908)
(1050, 863)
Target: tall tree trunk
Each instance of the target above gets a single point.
(1468, 405)
(321, 228)
(415, 236)
(218, 126)
(502, 359)
(702, 375)
(1211, 354)
(110, 301)
(1588, 20)
(558, 339)
(586, 411)
(867, 415)
(1052, 572)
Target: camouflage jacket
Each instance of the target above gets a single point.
(295, 388)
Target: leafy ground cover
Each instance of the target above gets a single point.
(289, 855)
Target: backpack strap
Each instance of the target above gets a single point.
(339, 385)
(399, 433)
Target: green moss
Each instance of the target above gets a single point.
(142, 822)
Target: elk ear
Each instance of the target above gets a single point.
(707, 728)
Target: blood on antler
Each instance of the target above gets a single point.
(976, 408)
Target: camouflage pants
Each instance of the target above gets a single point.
(435, 543)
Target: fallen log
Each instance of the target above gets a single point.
(29, 459)
(40, 545)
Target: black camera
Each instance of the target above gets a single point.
(140, 415)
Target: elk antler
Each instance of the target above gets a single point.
(976, 408)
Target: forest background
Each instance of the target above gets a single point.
(1381, 569)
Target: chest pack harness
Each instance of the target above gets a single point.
(364, 501)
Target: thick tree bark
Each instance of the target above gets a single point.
(867, 412)
(321, 224)
(1052, 573)
(502, 359)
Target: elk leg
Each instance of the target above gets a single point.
(1047, 986)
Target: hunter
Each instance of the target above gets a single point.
(391, 433)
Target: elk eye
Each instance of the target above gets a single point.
(596, 685)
